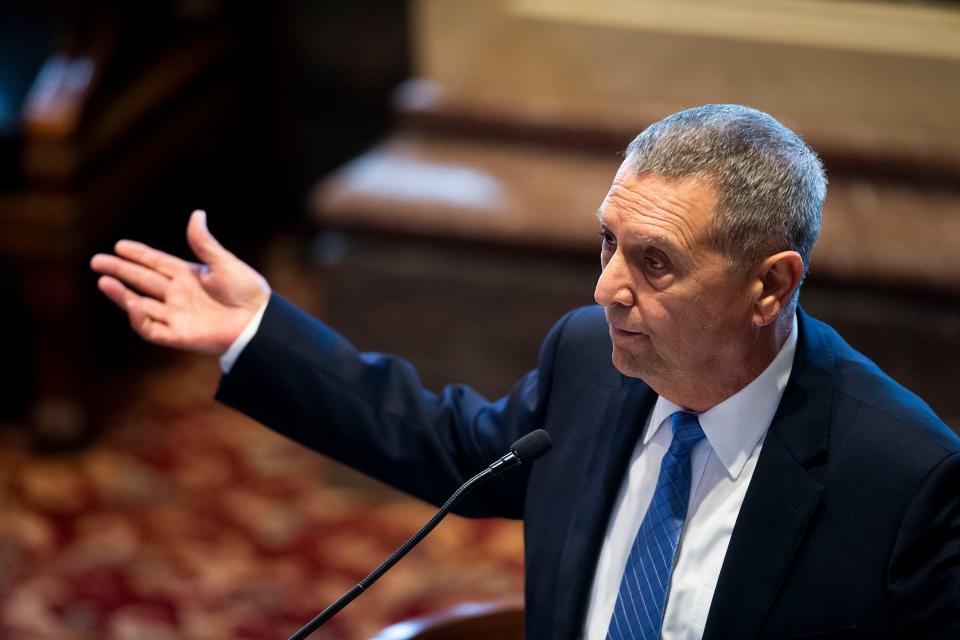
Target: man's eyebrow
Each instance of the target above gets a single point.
(655, 241)
(641, 242)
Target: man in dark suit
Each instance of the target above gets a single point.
(736, 471)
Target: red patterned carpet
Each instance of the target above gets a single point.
(188, 521)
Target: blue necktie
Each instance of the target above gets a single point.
(646, 578)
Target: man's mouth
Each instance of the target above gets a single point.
(624, 333)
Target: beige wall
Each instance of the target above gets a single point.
(874, 78)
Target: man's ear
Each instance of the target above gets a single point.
(775, 280)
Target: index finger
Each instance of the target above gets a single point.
(160, 261)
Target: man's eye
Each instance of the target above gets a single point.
(656, 265)
(607, 240)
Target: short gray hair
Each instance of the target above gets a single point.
(770, 185)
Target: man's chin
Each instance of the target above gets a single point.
(630, 364)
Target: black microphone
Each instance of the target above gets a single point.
(526, 449)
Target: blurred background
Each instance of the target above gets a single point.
(424, 176)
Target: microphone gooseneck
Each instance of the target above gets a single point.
(526, 449)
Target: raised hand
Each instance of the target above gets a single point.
(175, 303)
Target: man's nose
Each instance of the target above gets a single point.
(613, 285)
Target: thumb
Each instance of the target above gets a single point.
(201, 241)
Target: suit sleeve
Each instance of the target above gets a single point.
(370, 411)
(924, 574)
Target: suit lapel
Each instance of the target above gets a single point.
(782, 498)
(622, 414)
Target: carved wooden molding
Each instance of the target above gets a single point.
(874, 27)
(866, 80)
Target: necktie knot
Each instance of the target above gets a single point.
(687, 432)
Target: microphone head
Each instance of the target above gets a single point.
(532, 446)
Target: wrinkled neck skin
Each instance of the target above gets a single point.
(731, 371)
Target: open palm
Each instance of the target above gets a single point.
(181, 304)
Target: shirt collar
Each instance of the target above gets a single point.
(736, 425)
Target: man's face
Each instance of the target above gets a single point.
(678, 312)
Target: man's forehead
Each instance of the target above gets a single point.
(658, 211)
(627, 174)
(690, 196)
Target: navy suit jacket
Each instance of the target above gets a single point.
(850, 526)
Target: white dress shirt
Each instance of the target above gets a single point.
(722, 465)
(237, 346)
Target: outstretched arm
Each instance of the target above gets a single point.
(171, 302)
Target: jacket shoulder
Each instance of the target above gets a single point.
(895, 412)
